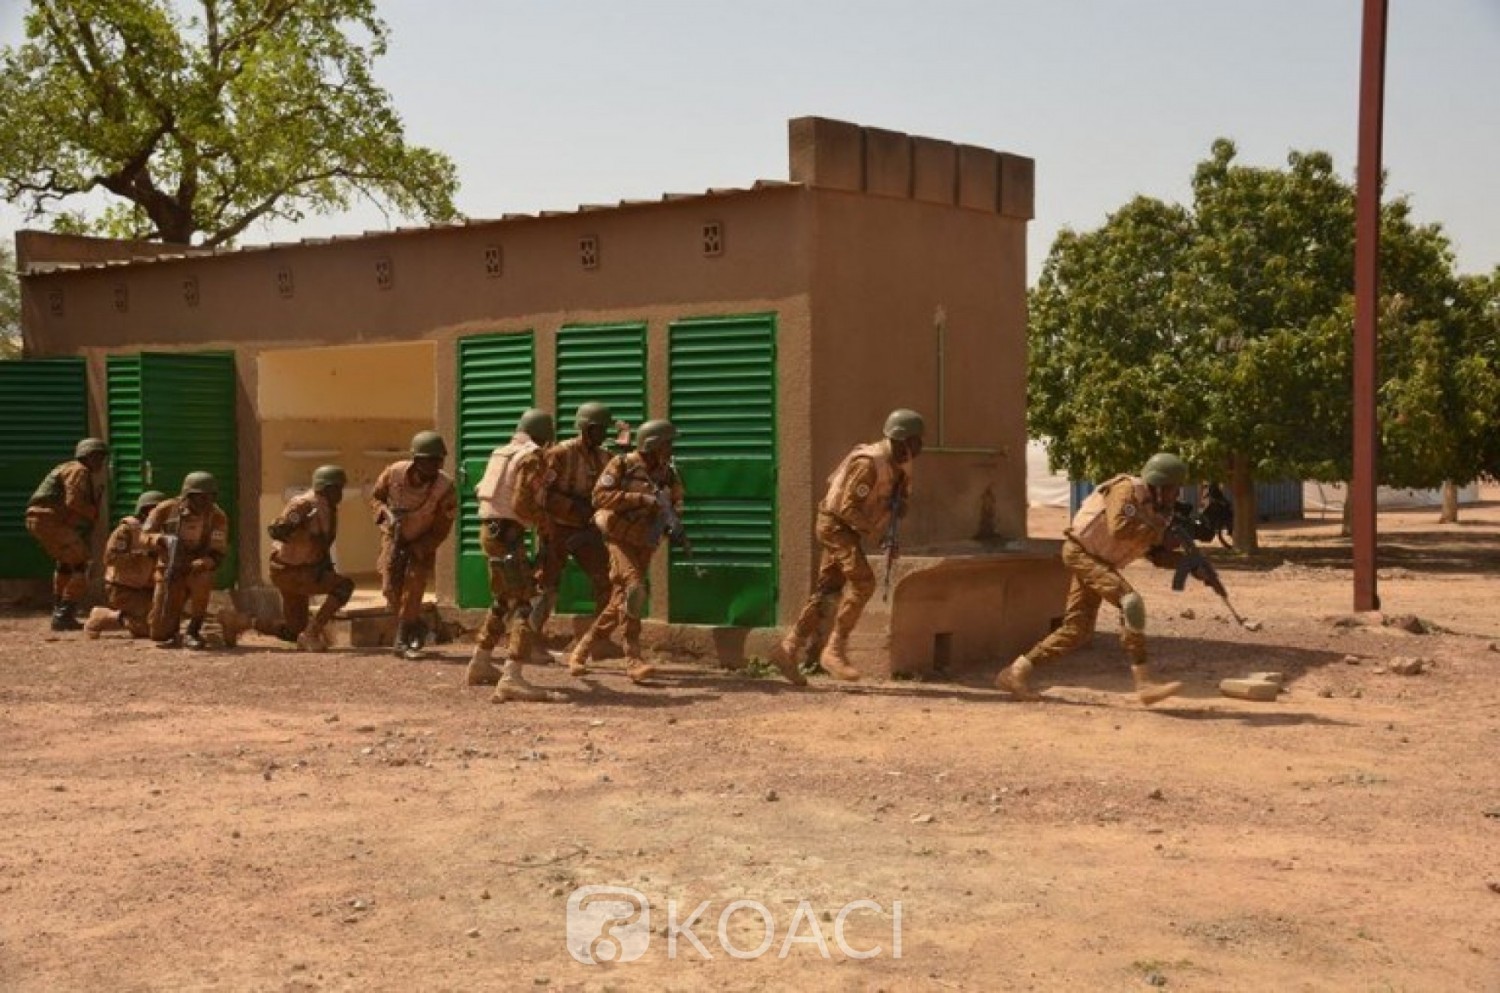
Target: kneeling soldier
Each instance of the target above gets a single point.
(191, 534)
(61, 515)
(129, 574)
(302, 560)
(510, 501)
(637, 497)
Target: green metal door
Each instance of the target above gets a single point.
(599, 363)
(172, 413)
(44, 411)
(495, 377)
(723, 400)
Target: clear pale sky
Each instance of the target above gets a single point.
(547, 104)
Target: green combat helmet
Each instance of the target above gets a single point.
(904, 425)
(90, 446)
(653, 434)
(593, 414)
(428, 445)
(1164, 469)
(329, 476)
(200, 482)
(147, 500)
(537, 425)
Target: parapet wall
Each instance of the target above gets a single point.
(838, 155)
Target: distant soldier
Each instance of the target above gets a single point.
(415, 506)
(302, 564)
(61, 515)
(129, 574)
(571, 470)
(1124, 519)
(638, 499)
(191, 533)
(867, 493)
(510, 502)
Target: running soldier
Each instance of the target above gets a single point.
(129, 574)
(415, 506)
(638, 501)
(510, 502)
(568, 530)
(302, 564)
(61, 515)
(1121, 521)
(868, 491)
(191, 534)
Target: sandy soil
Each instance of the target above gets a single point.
(260, 820)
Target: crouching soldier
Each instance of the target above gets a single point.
(302, 566)
(638, 501)
(868, 488)
(129, 574)
(415, 506)
(510, 501)
(61, 515)
(191, 534)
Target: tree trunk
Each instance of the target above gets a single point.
(1346, 519)
(1450, 503)
(1242, 492)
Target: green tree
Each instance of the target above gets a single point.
(10, 304)
(1224, 332)
(202, 123)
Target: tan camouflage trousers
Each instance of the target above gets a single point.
(191, 590)
(298, 584)
(512, 587)
(134, 606)
(404, 588)
(629, 565)
(586, 547)
(842, 568)
(66, 546)
(1094, 583)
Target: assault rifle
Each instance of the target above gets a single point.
(1194, 563)
(173, 541)
(671, 526)
(890, 541)
(400, 550)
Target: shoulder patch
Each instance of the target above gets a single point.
(551, 476)
(862, 490)
(606, 480)
(1129, 510)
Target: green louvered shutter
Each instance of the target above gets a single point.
(495, 385)
(723, 401)
(172, 413)
(44, 411)
(597, 363)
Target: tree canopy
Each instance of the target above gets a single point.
(10, 304)
(1224, 331)
(204, 117)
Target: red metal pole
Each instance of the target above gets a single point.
(1366, 298)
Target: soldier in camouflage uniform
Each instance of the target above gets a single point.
(510, 501)
(571, 470)
(302, 567)
(629, 504)
(129, 574)
(415, 506)
(61, 515)
(1124, 519)
(191, 533)
(872, 483)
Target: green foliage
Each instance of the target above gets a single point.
(203, 123)
(1224, 331)
(10, 304)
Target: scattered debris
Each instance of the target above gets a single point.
(1188, 614)
(1352, 660)
(1261, 690)
(923, 819)
(772, 796)
(1403, 665)
(1156, 794)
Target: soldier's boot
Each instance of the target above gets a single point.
(513, 686)
(540, 655)
(315, 638)
(482, 671)
(541, 609)
(786, 655)
(63, 618)
(578, 658)
(101, 619)
(233, 623)
(1015, 679)
(272, 628)
(637, 669)
(193, 636)
(409, 640)
(835, 658)
(1148, 691)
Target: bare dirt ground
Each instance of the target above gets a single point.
(260, 820)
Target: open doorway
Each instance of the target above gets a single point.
(356, 406)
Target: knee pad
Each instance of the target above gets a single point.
(1133, 607)
(344, 590)
(635, 601)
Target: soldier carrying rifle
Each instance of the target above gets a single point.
(415, 506)
(191, 533)
(302, 567)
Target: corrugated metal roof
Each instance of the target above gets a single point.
(468, 222)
